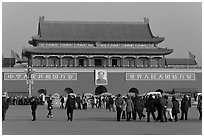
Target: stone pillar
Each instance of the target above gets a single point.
(88, 62)
(143, 63)
(75, 63)
(47, 61)
(60, 61)
(135, 62)
(30, 62)
(109, 61)
(150, 62)
(163, 62)
(40, 62)
(104, 62)
(122, 62)
(158, 65)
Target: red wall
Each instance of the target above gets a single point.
(85, 83)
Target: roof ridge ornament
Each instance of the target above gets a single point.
(146, 20)
(41, 18)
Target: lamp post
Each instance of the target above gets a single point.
(29, 79)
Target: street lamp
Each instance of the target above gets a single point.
(29, 79)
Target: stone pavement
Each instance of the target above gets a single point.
(92, 122)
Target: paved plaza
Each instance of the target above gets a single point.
(92, 122)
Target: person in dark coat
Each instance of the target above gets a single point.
(175, 109)
(49, 107)
(138, 107)
(184, 107)
(199, 106)
(5, 106)
(160, 104)
(70, 106)
(150, 108)
(62, 102)
(78, 101)
(34, 104)
(111, 103)
(119, 102)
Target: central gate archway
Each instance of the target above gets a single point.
(100, 89)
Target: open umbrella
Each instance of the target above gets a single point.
(72, 94)
(131, 94)
(88, 94)
(44, 91)
(56, 95)
(106, 94)
(68, 90)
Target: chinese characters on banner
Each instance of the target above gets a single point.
(101, 76)
(160, 76)
(41, 76)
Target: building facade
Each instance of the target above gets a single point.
(85, 55)
(95, 44)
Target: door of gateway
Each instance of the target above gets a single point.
(98, 62)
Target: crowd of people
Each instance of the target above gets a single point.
(167, 108)
(24, 100)
(84, 102)
(161, 107)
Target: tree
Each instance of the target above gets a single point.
(100, 89)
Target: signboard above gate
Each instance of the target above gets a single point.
(41, 76)
(160, 76)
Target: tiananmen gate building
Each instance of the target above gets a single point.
(85, 55)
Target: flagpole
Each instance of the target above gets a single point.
(10, 60)
(187, 60)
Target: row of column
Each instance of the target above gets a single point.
(107, 61)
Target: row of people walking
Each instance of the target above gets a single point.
(24, 100)
(83, 102)
(70, 106)
(167, 108)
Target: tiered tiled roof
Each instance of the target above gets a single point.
(97, 50)
(180, 61)
(59, 31)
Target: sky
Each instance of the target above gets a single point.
(179, 23)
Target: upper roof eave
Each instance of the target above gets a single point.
(153, 40)
(98, 50)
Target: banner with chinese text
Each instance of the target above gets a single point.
(41, 76)
(160, 76)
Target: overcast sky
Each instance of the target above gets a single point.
(179, 23)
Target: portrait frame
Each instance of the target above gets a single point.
(101, 77)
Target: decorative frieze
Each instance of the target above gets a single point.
(96, 44)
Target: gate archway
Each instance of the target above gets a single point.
(100, 89)
(134, 90)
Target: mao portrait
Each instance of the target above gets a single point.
(101, 78)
